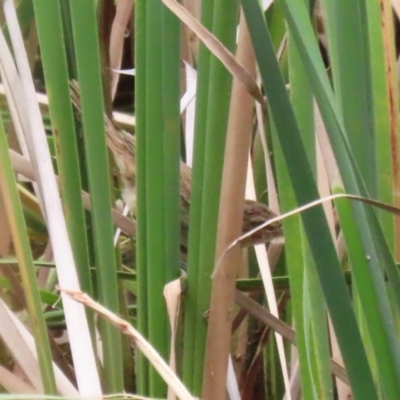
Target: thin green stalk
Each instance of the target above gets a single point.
(55, 70)
(172, 140)
(314, 312)
(191, 314)
(371, 233)
(155, 206)
(364, 285)
(158, 153)
(26, 267)
(315, 225)
(293, 253)
(84, 25)
(316, 332)
(385, 103)
(352, 79)
(141, 241)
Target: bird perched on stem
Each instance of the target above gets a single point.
(123, 145)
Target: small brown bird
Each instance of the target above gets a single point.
(123, 145)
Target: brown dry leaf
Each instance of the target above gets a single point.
(396, 7)
(22, 347)
(144, 346)
(323, 182)
(392, 98)
(325, 146)
(172, 294)
(217, 48)
(19, 349)
(14, 384)
(265, 316)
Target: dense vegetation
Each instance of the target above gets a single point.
(284, 104)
